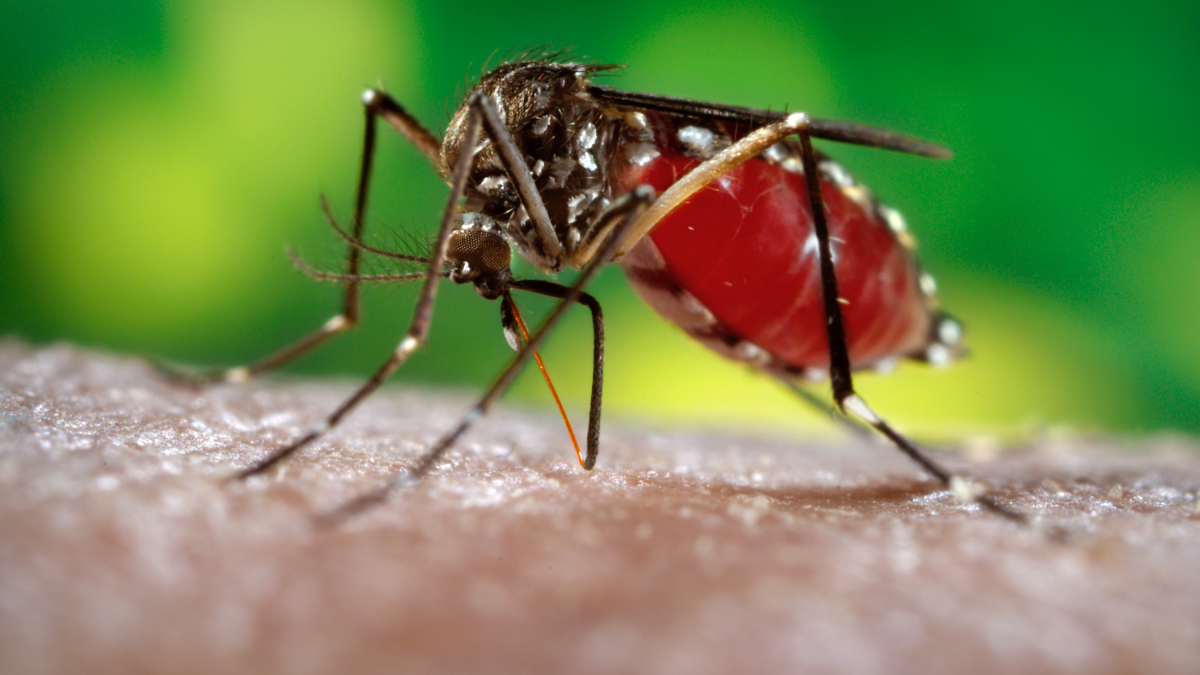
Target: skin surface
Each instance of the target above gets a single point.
(122, 550)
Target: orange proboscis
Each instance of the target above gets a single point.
(562, 411)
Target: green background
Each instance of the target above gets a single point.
(157, 156)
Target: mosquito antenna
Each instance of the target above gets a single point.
(356, 243)
(322, 275)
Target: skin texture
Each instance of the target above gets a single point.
(122, 550)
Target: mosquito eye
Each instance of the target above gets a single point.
(481, 250)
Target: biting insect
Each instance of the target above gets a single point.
(725, 219)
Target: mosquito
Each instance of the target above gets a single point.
(725, 220)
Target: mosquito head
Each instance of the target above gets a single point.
(480, 255)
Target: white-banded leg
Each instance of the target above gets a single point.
(839, 354)
(376, 104)
(418, 328)
(625, 211)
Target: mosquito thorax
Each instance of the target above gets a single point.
(568, 140)
(478, 253)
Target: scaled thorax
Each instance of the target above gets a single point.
(568, 141)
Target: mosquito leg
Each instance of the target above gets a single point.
(419, 327)
(546, 245)
(380, 104)
(839, 353)
(627, 209)
(375, 104)
(553, 290)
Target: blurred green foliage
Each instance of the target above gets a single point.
(157, 156)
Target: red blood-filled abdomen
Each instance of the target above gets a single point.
(745, 249)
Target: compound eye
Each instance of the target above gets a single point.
(483, 252)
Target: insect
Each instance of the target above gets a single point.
(725, 219)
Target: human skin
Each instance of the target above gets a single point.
(123, 548)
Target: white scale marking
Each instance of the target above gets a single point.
(407, 345)
(641, 154)
(493, 184)
(746, 350)
(636, 120)
(776, 153)
(586, 137)
(237, 375)
(576, 204)
(693, 306)
(938, 355)
(837, 174)
(860, 195)
(697, 139)
(894, 220)
(885, 365)
(928, 285)
(511, 337)
(334, 324)
(950, 332)
(965, 490)
(860, 409)
(796, 120)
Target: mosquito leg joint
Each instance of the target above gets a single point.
(407, 346)
(797, 121)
